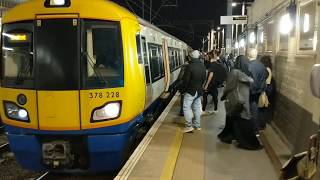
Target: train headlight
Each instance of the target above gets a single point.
(15, 112)
(57, 3)
(109, 111)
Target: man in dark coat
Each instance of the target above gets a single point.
(193, 80)
(259, 74)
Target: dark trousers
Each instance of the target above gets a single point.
(214, 93)
(254, 99)
(240, 130)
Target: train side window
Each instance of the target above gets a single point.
(140, 61)
(307, 19)
(154, 62)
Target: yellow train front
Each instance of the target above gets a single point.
(72, 89)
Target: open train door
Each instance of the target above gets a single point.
(166, 66)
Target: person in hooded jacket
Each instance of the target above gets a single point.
(239, 126)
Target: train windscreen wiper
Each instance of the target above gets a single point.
(25, 68)
(100, 77)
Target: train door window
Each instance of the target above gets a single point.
(161, 60)
(269, 35)
(140, 61)
(185, 55)
(154, 62)
(175, 59)
(308, 37)
(103, 64)
(171, 58)
(17, 53)
(145, 59)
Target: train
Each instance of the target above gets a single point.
(79, 81)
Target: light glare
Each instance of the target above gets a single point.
(306, 23)
(252, 38)
(59, 2)
(285, 24)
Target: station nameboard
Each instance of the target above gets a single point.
(233, 20)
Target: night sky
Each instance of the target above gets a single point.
(189, 20)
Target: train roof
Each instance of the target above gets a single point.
(93, 9)
(90, 9)
(148, 24)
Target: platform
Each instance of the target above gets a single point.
(196, 156)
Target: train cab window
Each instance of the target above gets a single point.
(308, 36)
(17, 55)
(103, 59)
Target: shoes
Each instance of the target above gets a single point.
(251, 148)
(198, 129)
(188, 129)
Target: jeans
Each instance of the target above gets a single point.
(192, 106)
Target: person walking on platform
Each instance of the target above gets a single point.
(180, 83)
(259, 74)
(193, 80)
(239, 125)
(215, 78)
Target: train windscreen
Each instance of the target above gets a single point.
(17, 55)
(102, 55)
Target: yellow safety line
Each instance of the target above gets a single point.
(169, 166)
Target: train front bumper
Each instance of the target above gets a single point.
(105, 152)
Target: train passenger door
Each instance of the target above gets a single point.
(57, 71)
(143, 56)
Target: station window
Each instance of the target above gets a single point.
(283, 36)
(307, 21)
(269, 35)
(260, 40)
(104, 61)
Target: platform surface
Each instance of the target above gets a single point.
(199, 155)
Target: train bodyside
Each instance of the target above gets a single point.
(74, 91)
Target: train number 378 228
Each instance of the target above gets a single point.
(102, 95)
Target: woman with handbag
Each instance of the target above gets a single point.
(238, 118)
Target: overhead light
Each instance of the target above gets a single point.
(252, 38)
(236, 45)
(242, 43)
(286, 24)
(218, 28)
(234, 4)
(261, 37)
(306, 23)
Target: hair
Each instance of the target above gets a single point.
(252, 53)
(242, 64)
(266, 61)
(214, 53)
